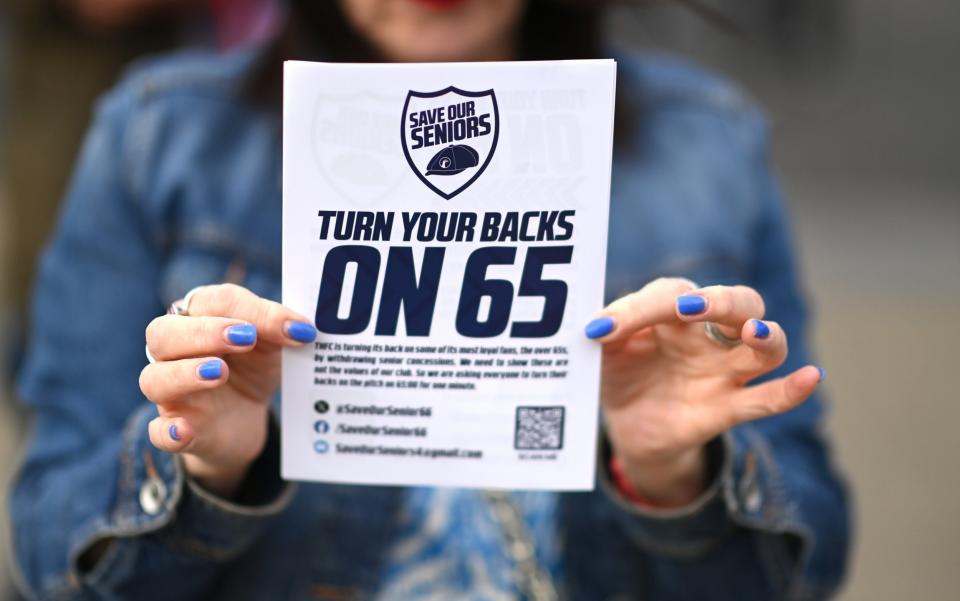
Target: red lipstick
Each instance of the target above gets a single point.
(439, 4)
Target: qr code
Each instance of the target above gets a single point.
(539, 428)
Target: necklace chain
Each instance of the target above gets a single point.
(534, 582)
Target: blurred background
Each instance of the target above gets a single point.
(863, 98)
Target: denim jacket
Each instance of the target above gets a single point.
(178, 185)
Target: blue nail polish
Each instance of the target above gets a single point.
(599, 327)
(210, 370)
(242, 335)
(760, 329)
(173, 432)
(691, 304)
(301, 332)
(823, 374)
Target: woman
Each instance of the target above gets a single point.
(177, 495)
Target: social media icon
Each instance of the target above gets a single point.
(321, 406)
(321, 447)
(321, 426)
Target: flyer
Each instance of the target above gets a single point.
(446, 227)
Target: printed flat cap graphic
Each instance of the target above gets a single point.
(452, 160)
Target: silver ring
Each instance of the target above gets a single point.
(713, 333)
(177, 307)
(182, 306)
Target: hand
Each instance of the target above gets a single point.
(215, 373)
(667, 388)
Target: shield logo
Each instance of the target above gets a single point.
(449, 136)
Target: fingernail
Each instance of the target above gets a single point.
(599, 327)
(301, 331)
(823, 374)
(760, 329)
(691, 304)
(210, 370)
(173, 432)
(242, 335)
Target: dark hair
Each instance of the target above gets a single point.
(318, 30)
(550, 29)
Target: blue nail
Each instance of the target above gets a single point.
(243, 335)
(823, 374)
(691, 305)
(173, 432)
(301, 332)
(760, 329)
(210, 370)
(599, 327)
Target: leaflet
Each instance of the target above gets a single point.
(445, 225)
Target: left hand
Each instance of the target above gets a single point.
(667, 388)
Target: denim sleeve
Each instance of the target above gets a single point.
(90, 474)
(774, 522)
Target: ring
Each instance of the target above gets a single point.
(713, 333)
(177, 307)
(181, 306)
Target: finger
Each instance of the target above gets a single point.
(773, 397)
(727, 306)
(764, 349)
(170, 381)
(651, 305)
(179, 336)
(274, 322)
(170, 434)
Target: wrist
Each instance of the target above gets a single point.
(670, 482)
(218, 480)
(252, 481)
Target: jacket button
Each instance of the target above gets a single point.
(153, 493)
(752, 497)
(750, 494)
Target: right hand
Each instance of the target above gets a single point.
(215, 373)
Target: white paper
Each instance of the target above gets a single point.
(482, 380)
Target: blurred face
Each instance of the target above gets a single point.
(437, 30)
